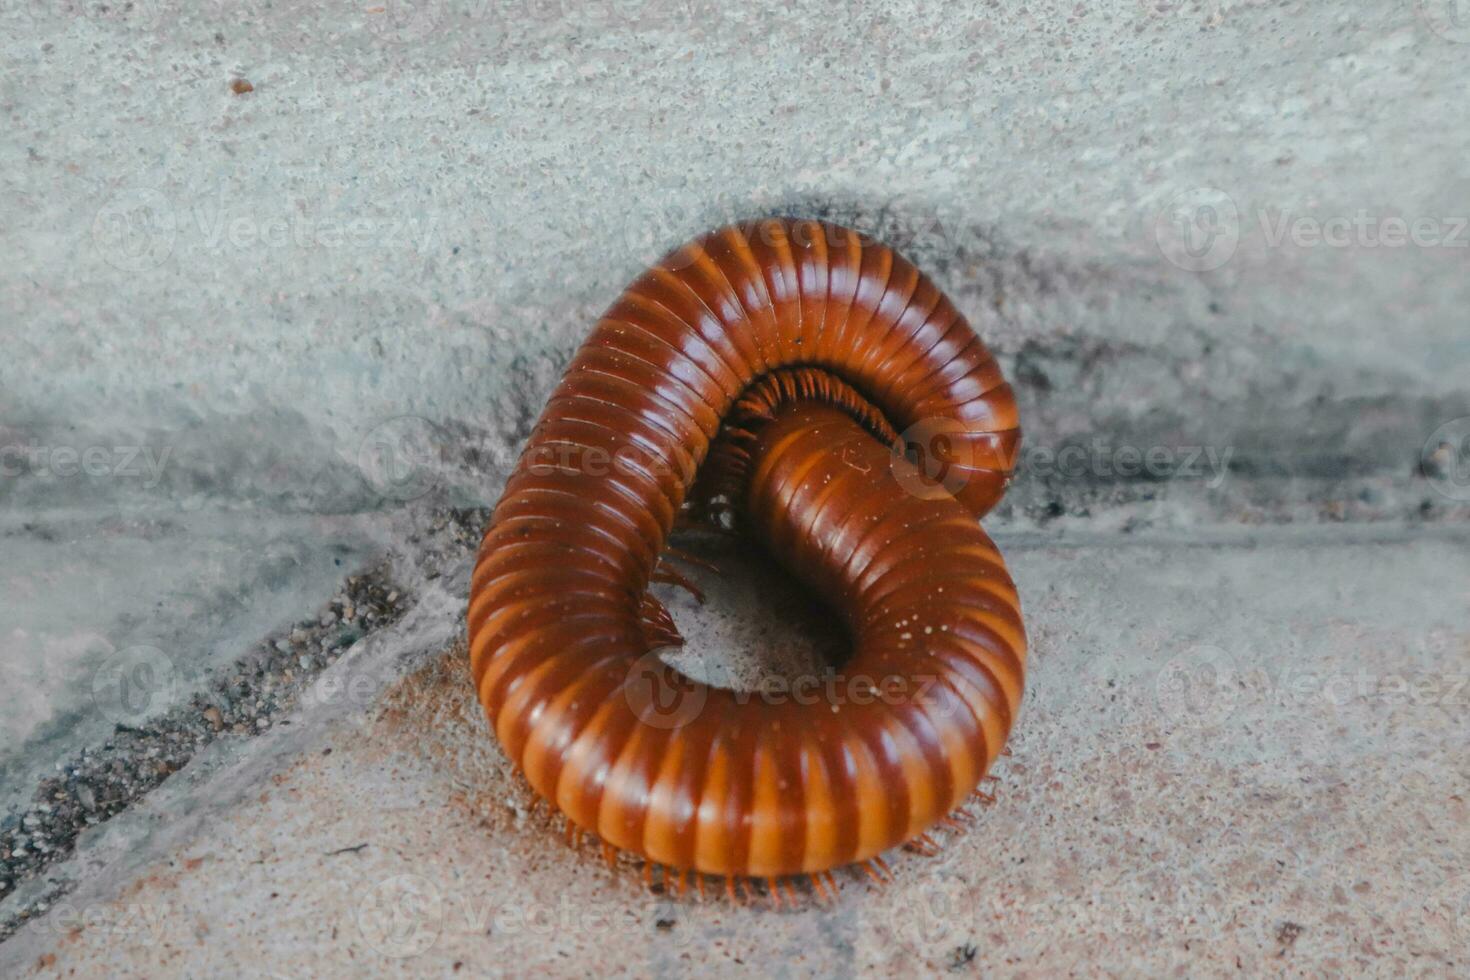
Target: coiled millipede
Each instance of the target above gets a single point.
(760, 372)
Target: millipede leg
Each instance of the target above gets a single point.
(672, 576)
(658, 625)
(610, 855)
(773, 886)
(679, 554)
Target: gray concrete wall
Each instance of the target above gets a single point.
(418, 212)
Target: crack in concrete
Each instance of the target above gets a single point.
(106, 780)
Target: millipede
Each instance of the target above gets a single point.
(804, 387)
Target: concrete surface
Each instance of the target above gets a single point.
(1209, 777)
(283, 286)
(94, 597)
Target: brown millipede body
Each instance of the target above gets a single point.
(758, 376)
